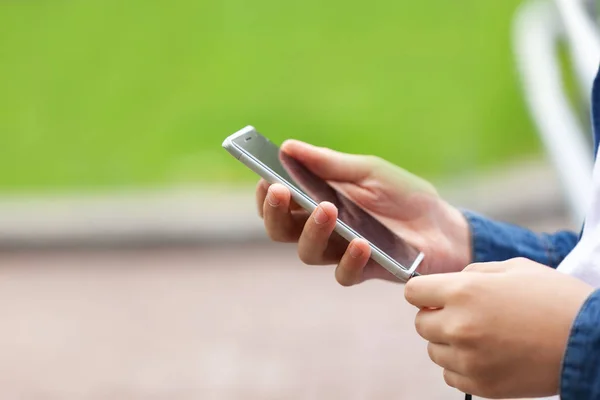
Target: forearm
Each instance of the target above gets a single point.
(499, 241)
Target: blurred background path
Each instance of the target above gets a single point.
(205, 323)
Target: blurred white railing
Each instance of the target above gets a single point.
(581, 32)
(540, 27)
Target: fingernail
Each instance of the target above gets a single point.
(355, 251)
(320, 216)
(273, 201)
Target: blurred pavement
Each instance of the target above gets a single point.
(218, 323)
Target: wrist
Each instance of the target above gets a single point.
(464, 239)
(459, 233)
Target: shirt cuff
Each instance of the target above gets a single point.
(480, 243)
(499, 241)
(580, 376)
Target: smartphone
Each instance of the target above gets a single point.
(308, 190)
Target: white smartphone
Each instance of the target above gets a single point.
(308, 190)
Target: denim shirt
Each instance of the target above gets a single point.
(497, 241)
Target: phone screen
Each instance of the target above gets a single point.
(353, 216)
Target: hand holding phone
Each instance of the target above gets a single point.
(413, 217)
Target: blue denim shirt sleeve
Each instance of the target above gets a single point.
(580, 377)
(499, 241)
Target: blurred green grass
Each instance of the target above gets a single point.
(118, 93)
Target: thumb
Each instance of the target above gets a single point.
(329, 164)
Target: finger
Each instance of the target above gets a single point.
(261, 194)
(429, 325)
(350, 269)
(458, 381)
(280, 223)
(429, 291)
(445, 356)
(315, 238)
(329, 164)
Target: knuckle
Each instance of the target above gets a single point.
(280, 234)
(462, 384)
(307, 257)
(344, 280)
(459, 332)
(431, 352)
(452, 332)
(346, 274)
(314, 245)
(464, 291)
(272, 234)
(282, 237)
(458, 292)
(450, 379)
(419, 326)
(277, 234)
(377, 194)
(473, 267)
